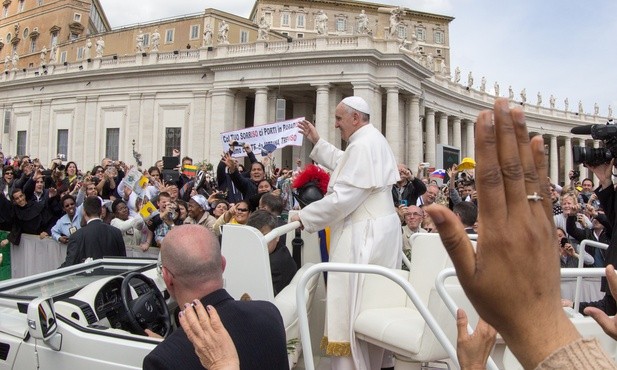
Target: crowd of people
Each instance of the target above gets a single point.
(513, 283)
(48, 201)
(502, 278)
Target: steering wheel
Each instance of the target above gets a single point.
(149, 310)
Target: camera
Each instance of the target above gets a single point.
(596, 156)
(563, 242)
(575, 174)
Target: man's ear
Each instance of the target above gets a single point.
(223, 263)
(168, 281)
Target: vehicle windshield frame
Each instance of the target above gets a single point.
(63, 283)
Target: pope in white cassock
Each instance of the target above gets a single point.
(364, 225)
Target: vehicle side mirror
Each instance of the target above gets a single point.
(42, 322)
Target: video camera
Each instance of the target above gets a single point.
(596, 156)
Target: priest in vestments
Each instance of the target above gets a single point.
(364, 226)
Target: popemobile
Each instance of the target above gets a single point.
(93, 315)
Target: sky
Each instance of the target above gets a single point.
(567, 48)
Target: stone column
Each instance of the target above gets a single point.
(596, 181)
(261, 106)
(366, 91)
(393, 124)
(414, 134)
(471, 149)
(376, 109)
(443, 128)
(148, 134)
(581, 168)
(197, 128)
(239, 111)
(34, 139)
(554, 160)
(430, 136)
(44, 133)
(567, 164)
(322, 111)
(301, 109)
(456, 132)
(77, 146)
(336, 95)
(221, 117)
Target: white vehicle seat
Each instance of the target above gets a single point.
(248, 264)
(248, 273)
(285, 301)
(388, 318)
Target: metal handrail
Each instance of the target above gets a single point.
(282, 230)
(452, 307)
(369, 269)
(440, 285)
(581, 258)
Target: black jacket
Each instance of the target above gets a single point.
(96, 240)
(412, 190)
(256, 328)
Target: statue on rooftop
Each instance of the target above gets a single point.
(496, 88)
(443, 69)
(139, 42)
(395, 20)
(524, 95)
(264, 29)
(581, 111)
(15, 59)
(457, 75)
(483, 84)
(208, 35)
(53, 53)
(100, 47)
(551, 101)
(223, 37)
(596, 109)
(539, 103)
(469, 80)
(88, 47)
(43, 55)
(321, 23)
(156, 39)
(412, 48)
(363, 24)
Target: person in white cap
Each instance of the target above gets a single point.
(198, 212)
(364, 225)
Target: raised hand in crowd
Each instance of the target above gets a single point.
(608, 324)
(604, 172)
(309, 131)
(513, 283)
(126, 192)
(472, 350)
(230, 162)
(213, 345)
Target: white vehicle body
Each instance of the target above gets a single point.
(87, 340)
(71, 318)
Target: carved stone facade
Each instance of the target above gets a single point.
(101, 105)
